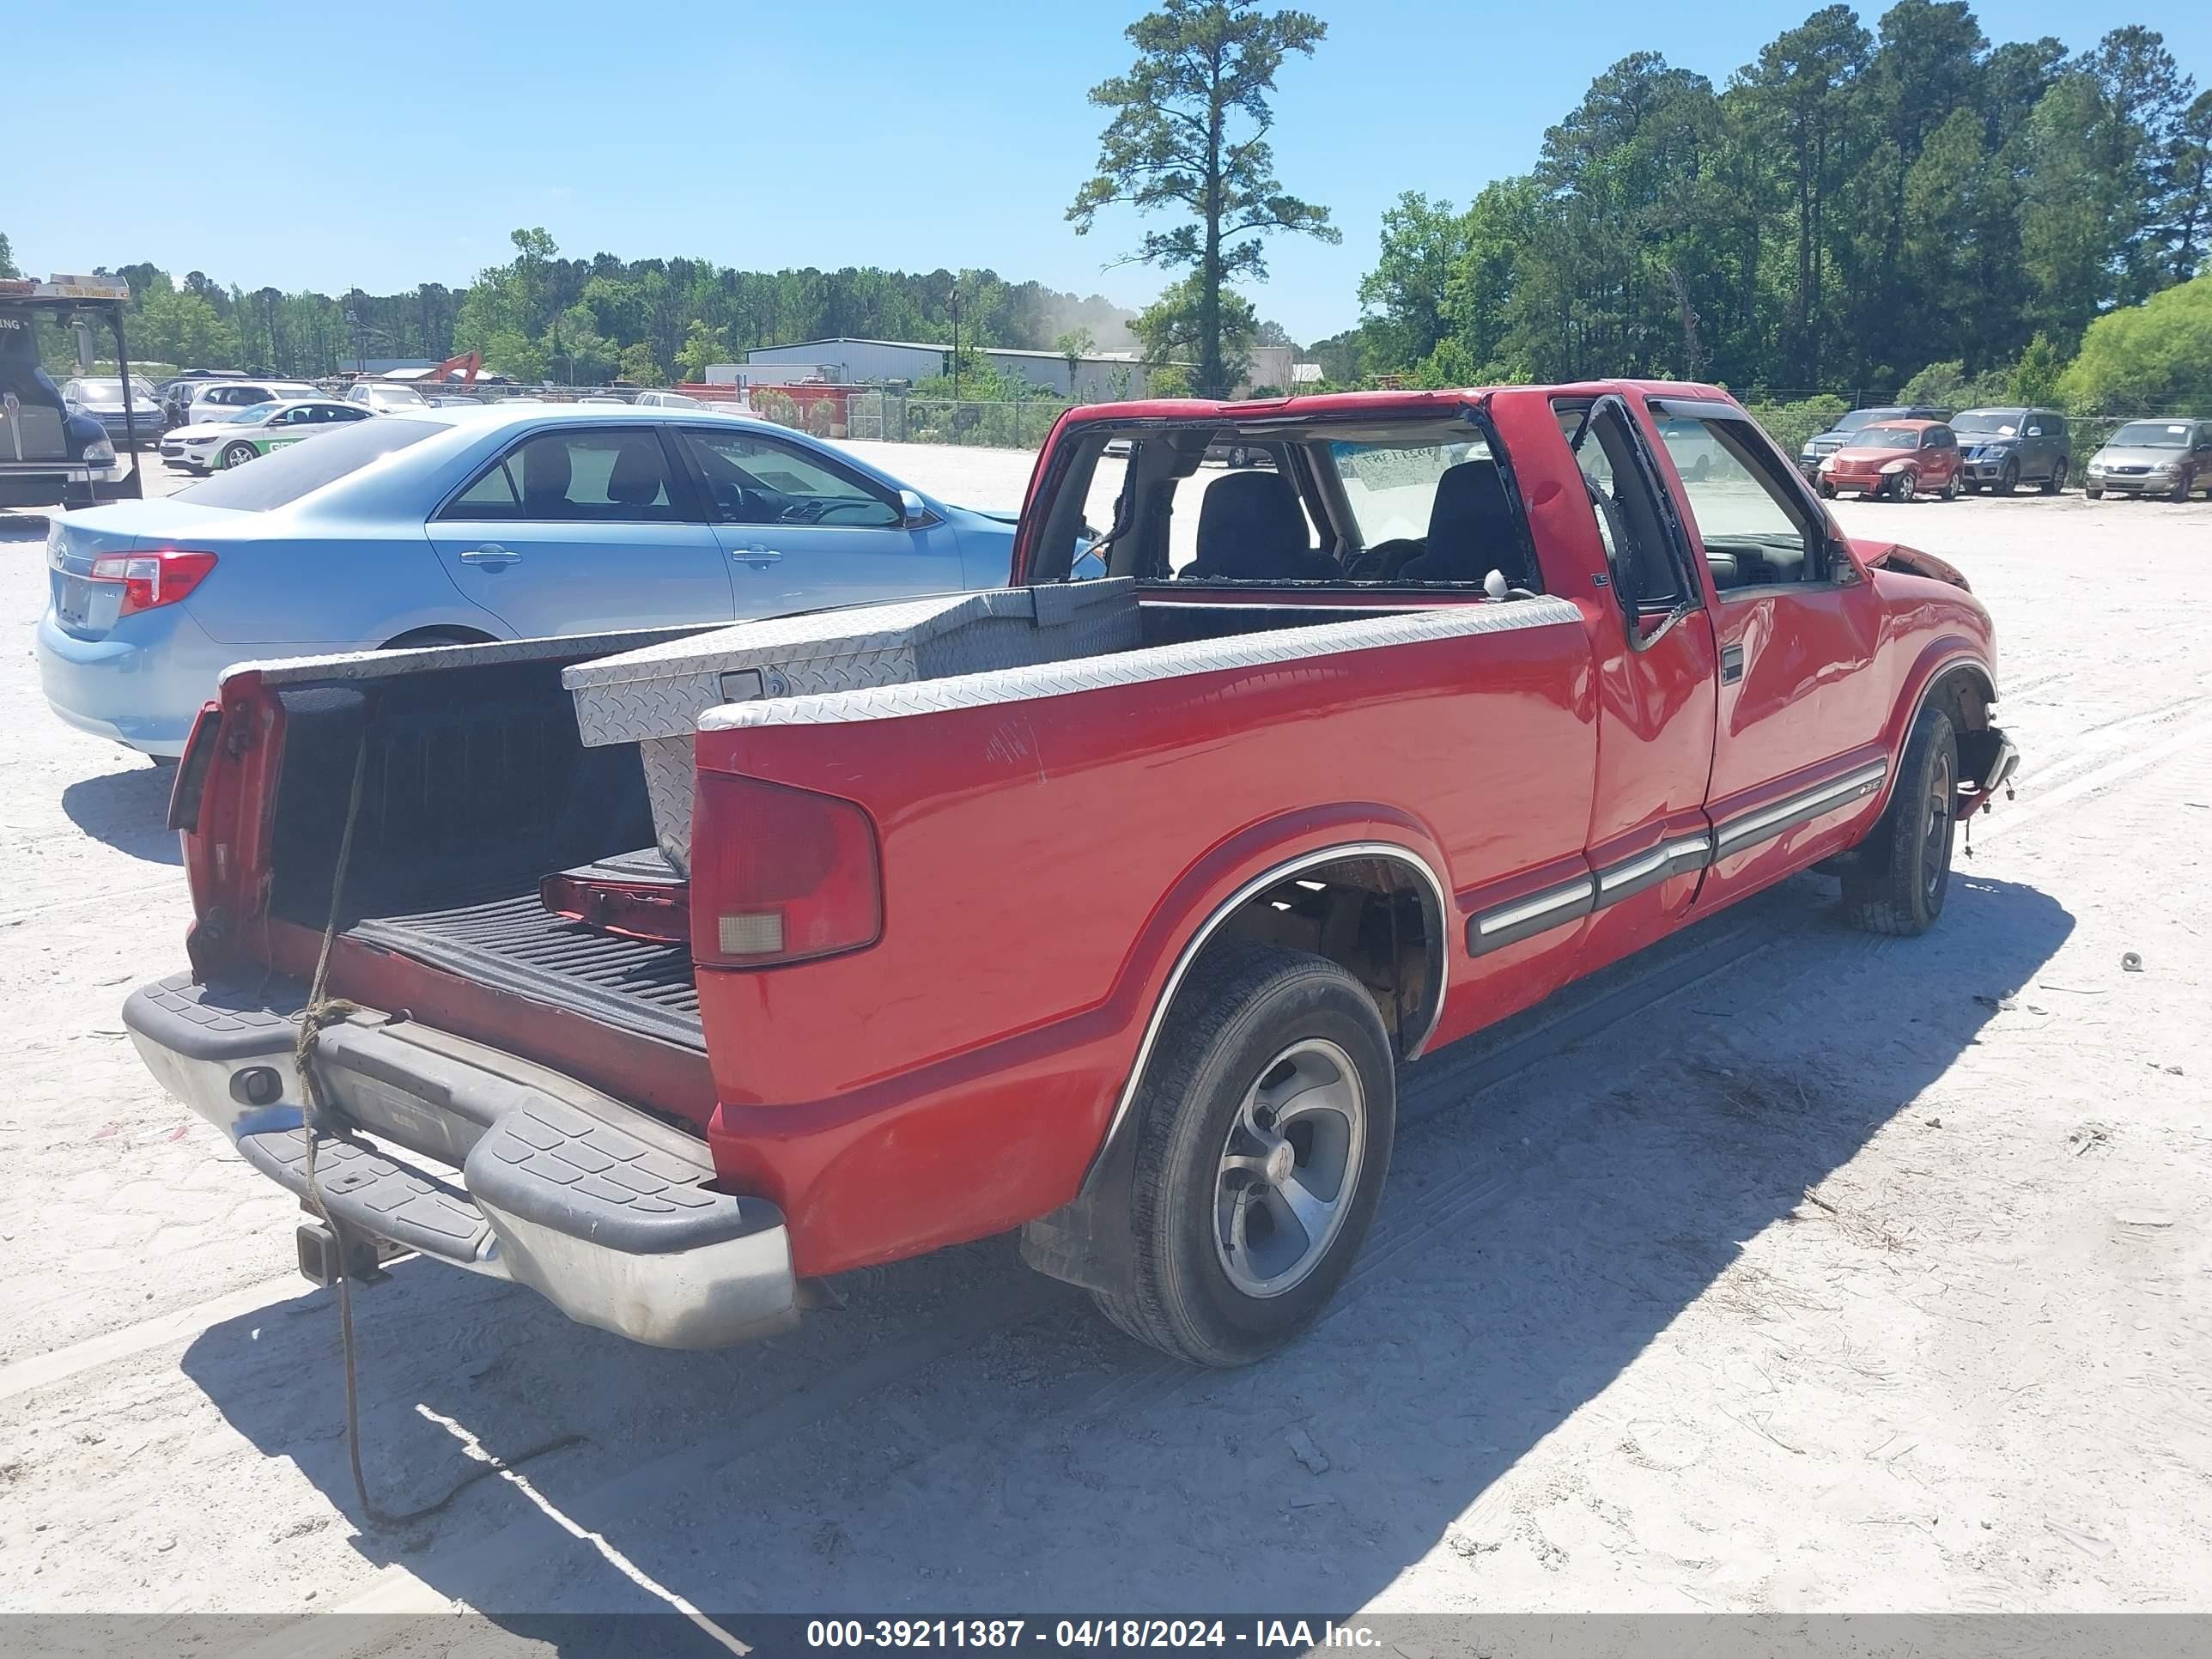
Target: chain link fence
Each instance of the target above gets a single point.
(992, 426)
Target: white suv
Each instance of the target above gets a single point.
(213, 399)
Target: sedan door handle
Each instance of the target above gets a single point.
(759, 556)
(1731, 664)
(490, 553)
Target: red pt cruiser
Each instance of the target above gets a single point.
(1898, 460)
(667, 972)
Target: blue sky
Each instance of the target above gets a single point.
(400, 142)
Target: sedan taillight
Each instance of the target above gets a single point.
(154, 579)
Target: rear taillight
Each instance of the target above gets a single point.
(780, 875)
(191, 786)
(152, 580)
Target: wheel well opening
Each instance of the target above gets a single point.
(1375, 918)
(421, 636)
(1964, 695)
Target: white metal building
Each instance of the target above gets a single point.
(1097, 376)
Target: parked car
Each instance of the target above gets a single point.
(240, 435)
(2005, 448)
(1819, 447)
(211, 399)
(1897, 460)
(737, 405)
(176, 394)
(1696, 453)
(504, 522)
(1106, 910)
(2153, 458)
(101, 398)
(384, 397)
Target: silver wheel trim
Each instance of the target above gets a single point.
(1289, 1168)
(1935, 833)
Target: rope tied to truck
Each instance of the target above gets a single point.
(316, 1120)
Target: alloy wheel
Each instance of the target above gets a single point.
(1290, 1168)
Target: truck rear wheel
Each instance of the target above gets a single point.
(1264, 1125)
(1897, 883)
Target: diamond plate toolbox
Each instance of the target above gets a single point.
(654, 696)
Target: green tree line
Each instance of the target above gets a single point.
(1849, 209)
(540, 316)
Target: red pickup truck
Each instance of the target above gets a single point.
(666, 973)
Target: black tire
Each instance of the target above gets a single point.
(2093, 492)
(2180, 490)
(2008, 481)
(1245, 1013)
(2056, 483)
(1898, 882)
(1827, 490)
(236, 455)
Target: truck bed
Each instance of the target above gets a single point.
(478, 785)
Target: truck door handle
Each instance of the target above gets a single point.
(490, 553)
(1731, 664)
(760, 557)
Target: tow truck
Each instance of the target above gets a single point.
(48, 455)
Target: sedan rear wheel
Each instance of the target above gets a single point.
(1951, 487)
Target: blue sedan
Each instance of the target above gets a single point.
(444, 526)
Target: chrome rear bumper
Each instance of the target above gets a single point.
(485, 1161)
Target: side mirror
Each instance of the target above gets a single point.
(2035, 432)
(913, 512)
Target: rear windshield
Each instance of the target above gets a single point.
(281, 477)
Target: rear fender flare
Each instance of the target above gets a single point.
(1086, 1241)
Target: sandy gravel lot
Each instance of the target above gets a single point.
(1782, 1268)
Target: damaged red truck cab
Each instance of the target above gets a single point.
(685, 967)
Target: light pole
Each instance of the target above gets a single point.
(956, 354)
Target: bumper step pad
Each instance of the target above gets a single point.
(365, 1189)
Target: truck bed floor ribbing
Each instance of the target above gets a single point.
(516, 944)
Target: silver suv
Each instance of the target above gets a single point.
(2006, 448)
